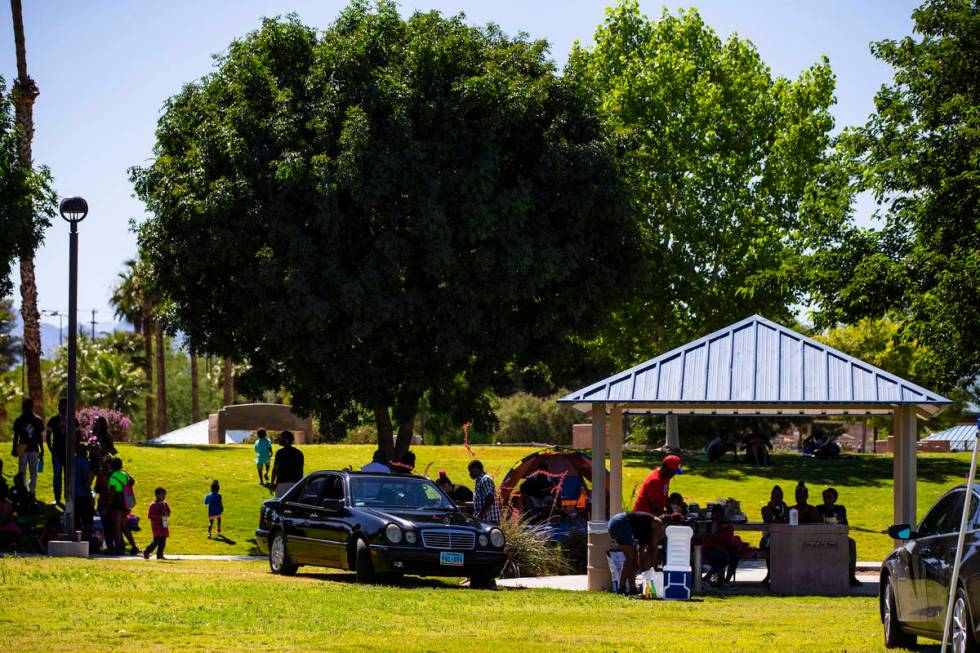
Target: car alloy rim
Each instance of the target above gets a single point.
(888, 610)
(959, 626)
(278, 552)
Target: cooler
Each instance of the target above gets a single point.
(677, 583)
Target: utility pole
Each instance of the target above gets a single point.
(93, 325)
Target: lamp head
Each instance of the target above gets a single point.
(73, 209)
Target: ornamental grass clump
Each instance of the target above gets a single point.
(529, 552)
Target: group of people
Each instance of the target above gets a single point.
(638, 534)
(103, 489)
(484, 494)
(755, 448)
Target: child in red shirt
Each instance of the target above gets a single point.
(159, 516)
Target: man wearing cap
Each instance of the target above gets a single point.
(655, 492)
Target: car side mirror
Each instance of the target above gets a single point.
(901, 532)
(333, 504)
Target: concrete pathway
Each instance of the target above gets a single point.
(748, 580)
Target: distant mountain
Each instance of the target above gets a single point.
(52, 336)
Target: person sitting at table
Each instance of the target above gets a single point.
(722, 550)
(638, 536)
(774, 512)
(718, 447)
(831, 513)
(805, 512)
(676, 504)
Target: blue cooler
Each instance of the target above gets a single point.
(677, 583)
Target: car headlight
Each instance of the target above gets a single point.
(483, 540)
(393, 533)
(497, 538)
(410, 536)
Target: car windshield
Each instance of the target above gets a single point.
(397, 492)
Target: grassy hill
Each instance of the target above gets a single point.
(864, 483)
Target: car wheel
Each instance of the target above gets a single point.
(482, 582)
(364, 567)
(279, 561)
(894, 635)
(961, 628)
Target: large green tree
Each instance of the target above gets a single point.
(369, 212)
(919, 154)
(723, 158)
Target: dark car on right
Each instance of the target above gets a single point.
(916, 576)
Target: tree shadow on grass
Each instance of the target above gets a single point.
(868, 471)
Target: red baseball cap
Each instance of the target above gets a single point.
(674, 463)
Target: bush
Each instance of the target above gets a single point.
(528, 552)
(118, 423)
(526, 418)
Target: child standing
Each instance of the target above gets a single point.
(263, 456)
(159, 516)
(213, 502)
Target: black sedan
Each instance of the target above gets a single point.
(377, 524)
(915, 577)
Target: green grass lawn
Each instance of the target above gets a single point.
(138, 605)
(864, 482)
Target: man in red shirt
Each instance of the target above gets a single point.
(655, 491)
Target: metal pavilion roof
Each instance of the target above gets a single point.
(756, 367)
(960, 437)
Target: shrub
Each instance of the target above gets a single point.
(118, 423)
(529, 553)
(527, 418)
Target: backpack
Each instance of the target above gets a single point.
(129, 497)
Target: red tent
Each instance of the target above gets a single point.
(572, 467)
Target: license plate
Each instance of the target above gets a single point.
(451, 559)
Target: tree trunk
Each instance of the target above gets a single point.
(24, 93)
(406, 408)
(148, 346)
(385, 434)
(195, 391)
(229, 393)
(161, 382)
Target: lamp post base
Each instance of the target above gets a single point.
(67, 549)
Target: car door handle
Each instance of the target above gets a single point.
(314, 515)
(287, 512)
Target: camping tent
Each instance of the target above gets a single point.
(571, 466)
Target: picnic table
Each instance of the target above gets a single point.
(808, 559)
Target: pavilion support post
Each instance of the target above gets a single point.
(673, 442)
(906, 429)
(615, 460)
(598, 462)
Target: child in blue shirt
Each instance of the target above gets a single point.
(213, 502)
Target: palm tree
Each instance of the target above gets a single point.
(130, 303)
(24, 93)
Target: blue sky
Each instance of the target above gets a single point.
(105, 68)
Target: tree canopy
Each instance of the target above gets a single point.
(919, 154)
(723, 158)
(366, 213)
(26, 199)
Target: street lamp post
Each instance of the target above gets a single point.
(73, 210)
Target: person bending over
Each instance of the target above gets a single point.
(638, 535)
